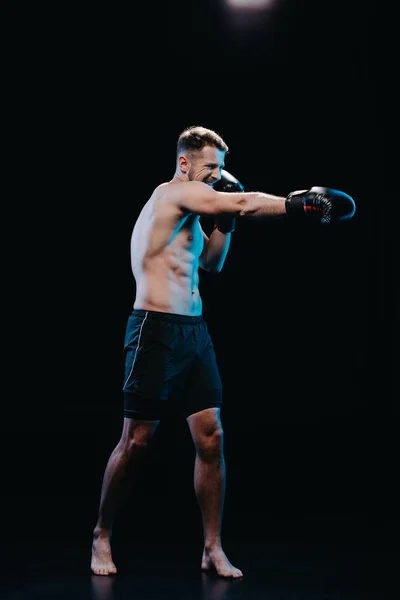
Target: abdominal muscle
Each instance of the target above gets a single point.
(157, 291)
(165, 251)
(167, 278)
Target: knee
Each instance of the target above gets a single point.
(210, 444)
(133, 444)
(136, 437)
(137, 445)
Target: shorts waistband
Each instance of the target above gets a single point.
(164, 316)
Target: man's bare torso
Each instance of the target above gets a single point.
(165, 250)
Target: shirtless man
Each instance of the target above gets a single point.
(170, 363)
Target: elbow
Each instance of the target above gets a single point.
(215, 268)
(211, 267)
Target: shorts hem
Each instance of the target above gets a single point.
(168, 408)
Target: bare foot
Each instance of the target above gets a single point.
(216, 559)
(102, 563)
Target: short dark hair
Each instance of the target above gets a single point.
(194, 138)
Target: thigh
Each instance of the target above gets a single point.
(153, 348)
(150, 345)
(203, 386)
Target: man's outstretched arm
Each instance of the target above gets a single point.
(323, 204)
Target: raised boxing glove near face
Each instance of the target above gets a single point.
(226, 223)
(228, 183)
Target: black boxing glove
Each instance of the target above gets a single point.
(324, 204)
(228, 183)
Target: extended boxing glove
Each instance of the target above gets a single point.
(228, 183)
(325, 204)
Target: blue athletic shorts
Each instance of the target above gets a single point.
(170, 366)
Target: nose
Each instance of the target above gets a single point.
(216, 175)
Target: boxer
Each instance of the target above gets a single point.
(170, 362)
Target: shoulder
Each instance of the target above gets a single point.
(176, 192)
(179, 187)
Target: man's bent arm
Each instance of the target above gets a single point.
(215, 250)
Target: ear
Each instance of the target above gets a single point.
(184, 164)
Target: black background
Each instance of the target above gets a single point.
(301, 315)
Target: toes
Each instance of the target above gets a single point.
(103, 571)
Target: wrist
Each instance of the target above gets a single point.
(294, 203)
(225, 223)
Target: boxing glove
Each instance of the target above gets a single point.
(226, 223)
(325, 204)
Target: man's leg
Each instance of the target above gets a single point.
(209, 483)
(117, 483)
